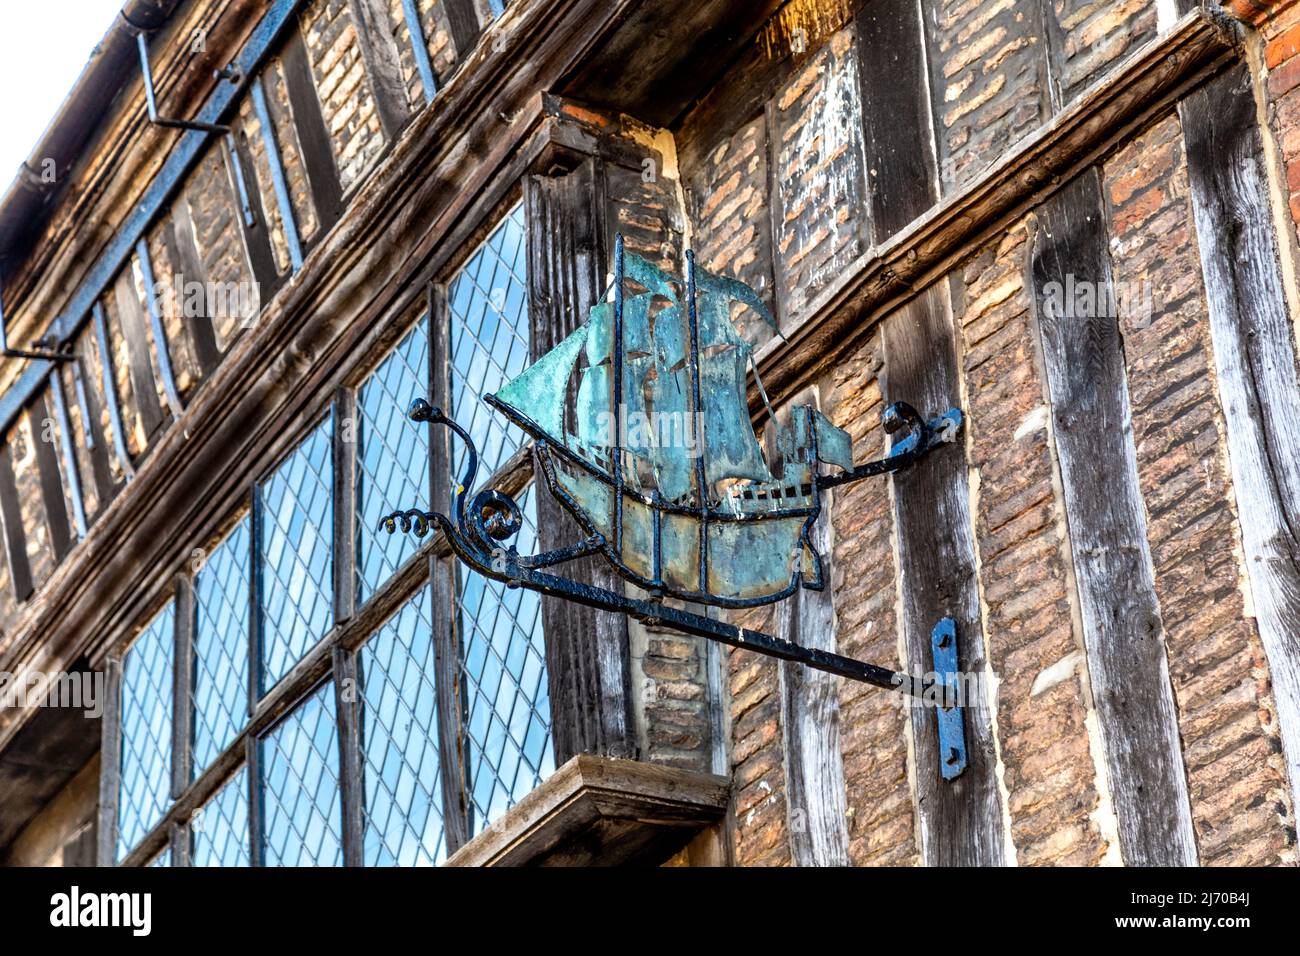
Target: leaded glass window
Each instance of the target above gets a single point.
(392, 457)
(295, 551)
(403, 783)
(219, 692)
(300, 758)
(146, 764)
(488, 305)
(508, 705)
(219, 830)
(263, 600)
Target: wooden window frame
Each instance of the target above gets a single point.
(334, 656)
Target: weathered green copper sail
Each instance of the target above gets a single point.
(746, 540)
(539, 391)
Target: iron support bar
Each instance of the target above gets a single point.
(280, 184)
(69, 453)
(38, 354)
(156, 324)
(110, 391)
(151, 104)
(420, 49)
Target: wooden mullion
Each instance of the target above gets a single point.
(145, 389)
(178, 238)
(352, 789)
(453, 744)
(1088, 395)
(462, 22)
(313, 134)
(110, 762)
(345, 504)
(961, 820)
(15, 535)
(256, 805)
(182, 686)
(382, 60)
(448, 672)
(47, 466)
(256, 622)
(180, 843)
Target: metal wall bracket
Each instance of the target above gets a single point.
(948, 714)
(43, 352)
(231, 74)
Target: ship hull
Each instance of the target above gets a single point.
(747, 558)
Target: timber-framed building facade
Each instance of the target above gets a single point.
(1075, 221)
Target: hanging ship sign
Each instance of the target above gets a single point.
(641, 427)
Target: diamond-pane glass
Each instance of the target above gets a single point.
(295, 549)
(392, 458)
(488, 302)
(220, 829)
(300, 760)
(220, 693)
(403, 783)
(146, 769)
(507, 699)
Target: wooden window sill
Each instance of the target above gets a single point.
(598, 811)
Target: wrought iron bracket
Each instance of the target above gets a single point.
(45, 350)
(230, 73)
(483, 521)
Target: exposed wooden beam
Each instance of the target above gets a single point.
(109, 384)
(313, 134)
(1088, 395)
(900, 151)
(1255, 363)
(1147, 84)
(40, 428)
(71, 471)
(178, 238)
(15, 535)
(960, 820)
(382, 57)
(462, 22)
(144, 388)
(161, 347)
(279, 185)
(810, 712)
(587, 665)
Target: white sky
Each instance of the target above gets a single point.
(43, 46)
